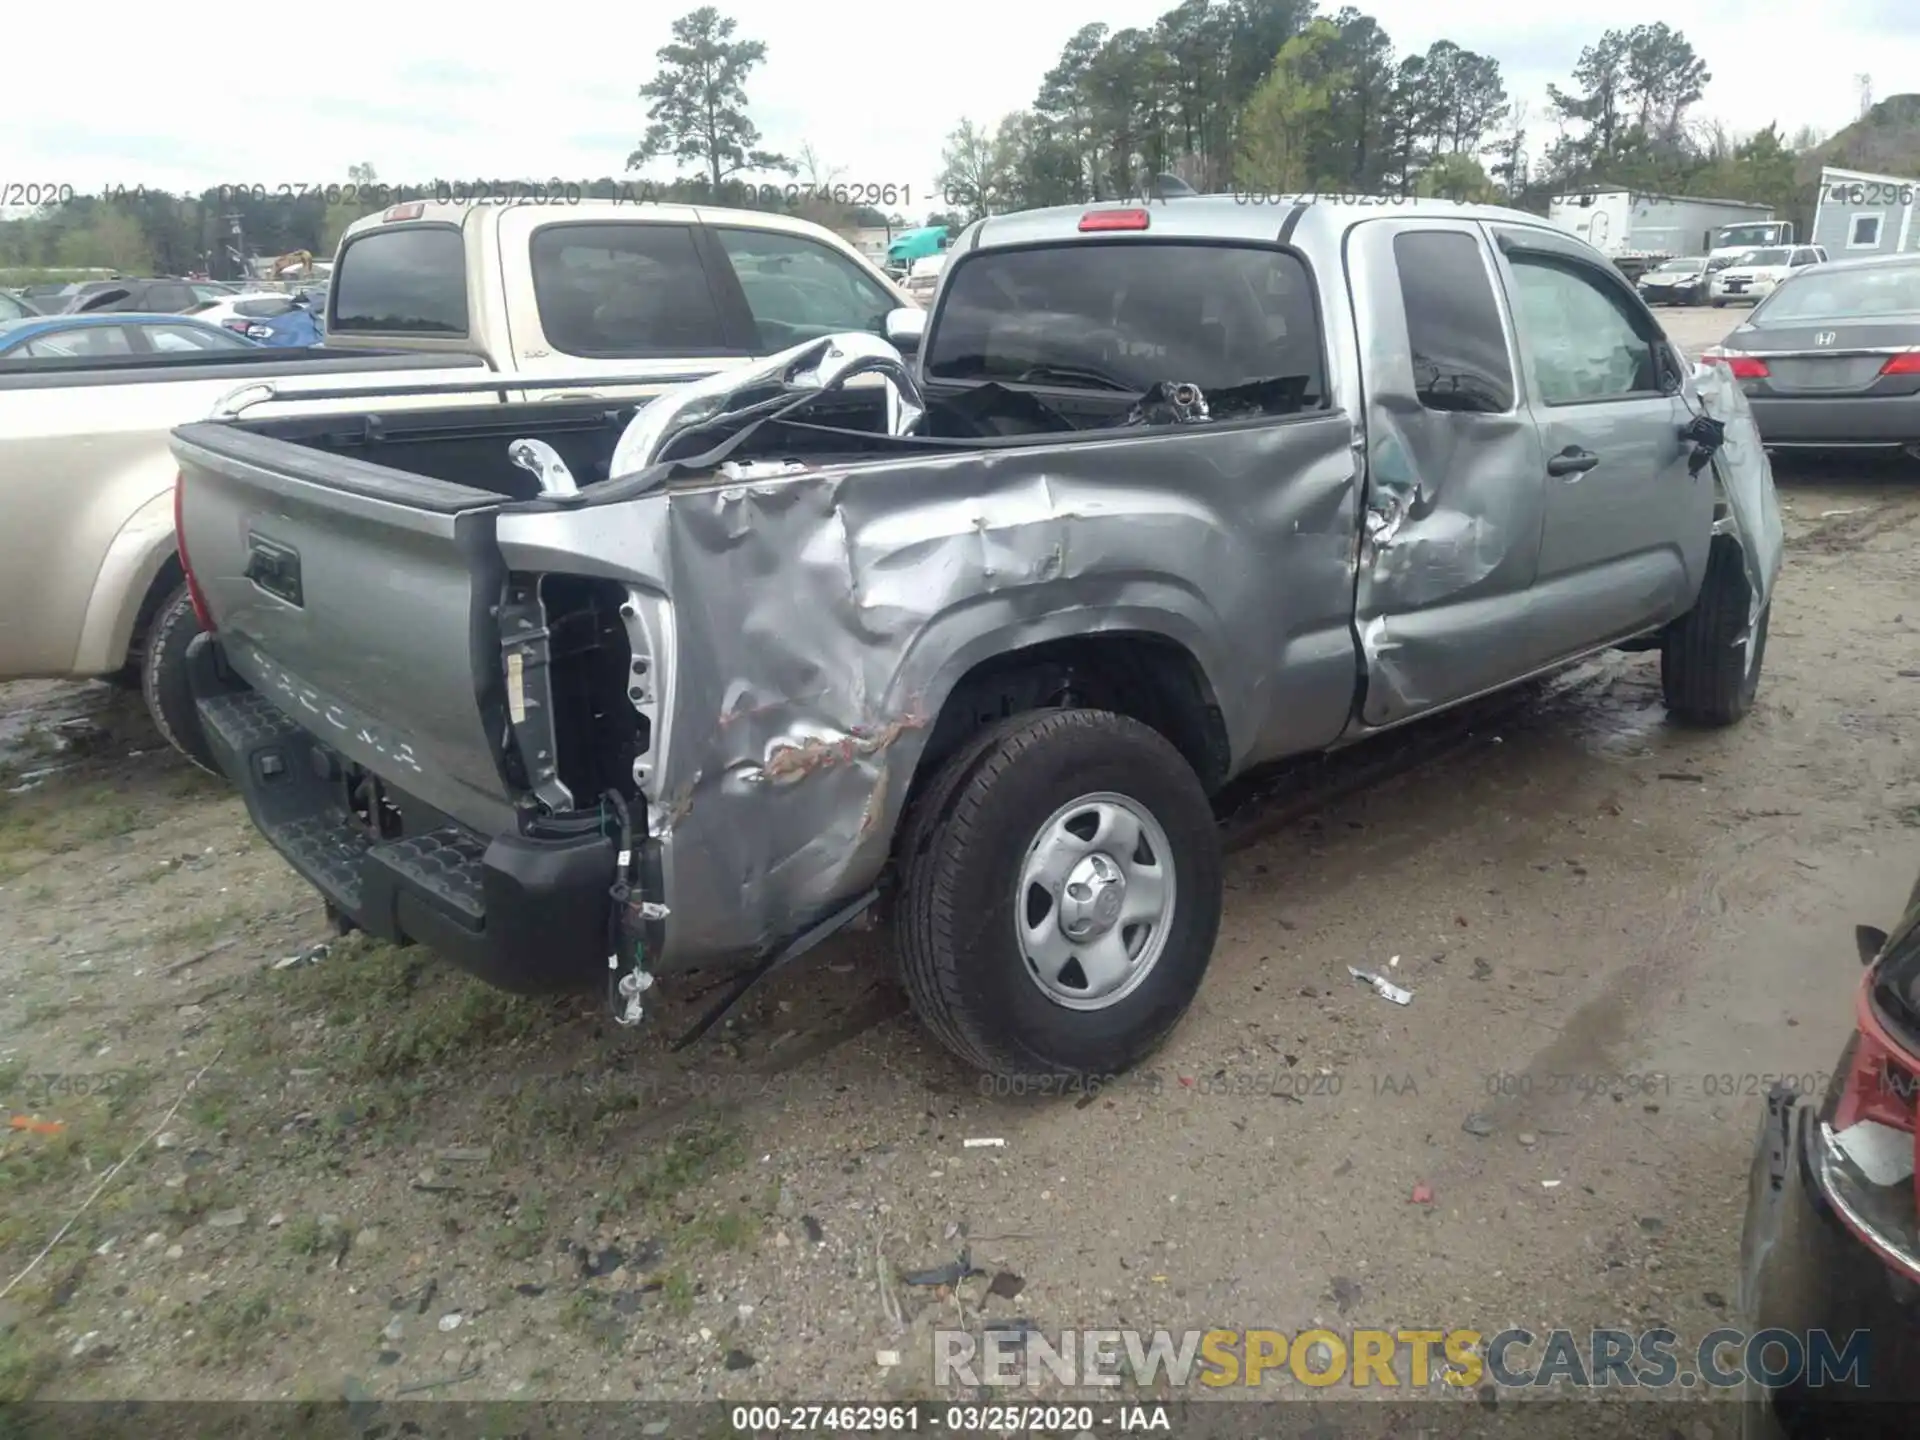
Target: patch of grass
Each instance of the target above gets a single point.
(129, 1091)
(520, 1237)
(202, 1194)
(589, 1314)
(194, 932)
(25, 1366)
(558, 1112)
(397, 1013)
(475, 1019)
(677, 1292)
(692, 1155)
(724, 1230)
(36, 827)
(32, 1162)
(304, 1235)
(210, 1106)
(231, 1326)
(190, 782)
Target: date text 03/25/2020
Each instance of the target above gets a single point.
(958, 1419)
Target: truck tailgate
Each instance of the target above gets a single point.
(358, 600)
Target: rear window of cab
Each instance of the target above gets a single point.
(1138, 313)
(407, 280)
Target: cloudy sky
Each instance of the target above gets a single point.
(427, 90)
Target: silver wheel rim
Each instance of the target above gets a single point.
(1095, 901)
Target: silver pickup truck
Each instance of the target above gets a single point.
(1163, 493)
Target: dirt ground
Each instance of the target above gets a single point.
(366, 1175)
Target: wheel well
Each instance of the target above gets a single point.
(172, 575)
(1147, 677)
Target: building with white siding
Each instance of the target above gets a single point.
(1856, 214)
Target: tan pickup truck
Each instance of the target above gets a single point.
(605, 299)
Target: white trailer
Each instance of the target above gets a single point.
(1637, 230)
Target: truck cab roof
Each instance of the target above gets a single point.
(1311, 222)
(642, 290)
(465, 212)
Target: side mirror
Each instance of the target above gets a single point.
(905, 326)
(1674, 368)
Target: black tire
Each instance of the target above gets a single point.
(1719, 304)
(1706, 676)
(960, 959)
(163, 679)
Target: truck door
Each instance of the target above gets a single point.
(1456, 477)
(1627, 528)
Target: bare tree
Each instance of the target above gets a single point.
(815, 171)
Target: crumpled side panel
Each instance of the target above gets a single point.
(1745, 479)
(821, 619)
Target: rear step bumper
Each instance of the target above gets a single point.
(526, 915)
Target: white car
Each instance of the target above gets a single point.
(238, 312)
(1755, 274)
(924, 278)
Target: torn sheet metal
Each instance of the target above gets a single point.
(1744, 476)
(821, 616)
(821, 364)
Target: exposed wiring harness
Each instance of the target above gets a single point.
(624, 985)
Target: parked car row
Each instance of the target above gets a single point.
(295, 318)
(1758, 273)
(145, 296)
(106, 334)
(1692, 280)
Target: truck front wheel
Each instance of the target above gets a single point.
(163, 679)
(1708, 675)
(1061, 895)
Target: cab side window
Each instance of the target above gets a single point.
(1584, 343)
(799, 290)
(1459, 345)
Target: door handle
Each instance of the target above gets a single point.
(1572, 461)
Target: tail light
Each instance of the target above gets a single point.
(239, 327)
(1863, 1155)
(1741, 367)
(1906, 363)
(200, 611)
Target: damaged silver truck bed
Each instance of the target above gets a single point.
(582, 696)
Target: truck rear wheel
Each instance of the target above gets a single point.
(1707, 676)
(1061, 895)
(163, 679)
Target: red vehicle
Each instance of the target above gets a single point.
(1832, 1239)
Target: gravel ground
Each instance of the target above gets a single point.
(367, 1173)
